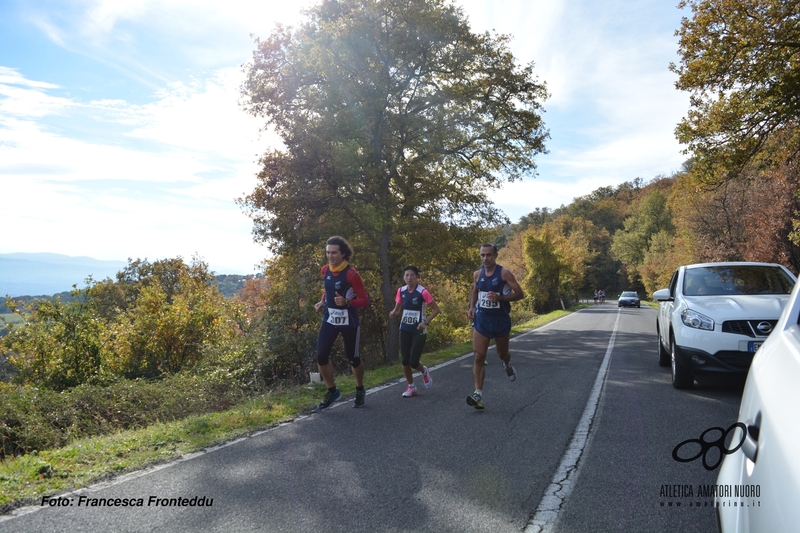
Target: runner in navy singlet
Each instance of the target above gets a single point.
(412, 301)
(343, 293)
(489, 309)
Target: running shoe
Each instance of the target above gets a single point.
(359, 401)
(411, 390)
(426, 377)
(329, 398)
(510, 372)
(475, 400)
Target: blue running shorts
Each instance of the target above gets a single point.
(492, 327)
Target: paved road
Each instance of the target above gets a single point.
(433, 464)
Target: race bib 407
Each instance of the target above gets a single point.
(338, 317)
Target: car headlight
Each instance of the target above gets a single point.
(693, 319)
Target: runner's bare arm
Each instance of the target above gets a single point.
(320, 304)
(473, 295)
(434, 311)
(517, 293)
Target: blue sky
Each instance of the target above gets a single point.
(121, 134)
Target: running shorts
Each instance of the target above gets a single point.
(492, 327)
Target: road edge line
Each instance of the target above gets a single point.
(563, 480)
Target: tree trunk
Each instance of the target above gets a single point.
(393, 332)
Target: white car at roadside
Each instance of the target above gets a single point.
(758, 487)
(714, 316)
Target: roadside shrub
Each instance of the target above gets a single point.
(37, 418)
(60, 345)
(520, 315)
(165, 332)
(243, 363)
(451, 326)
(157, 319)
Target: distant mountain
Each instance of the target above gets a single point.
(23, 274)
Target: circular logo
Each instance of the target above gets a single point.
(764, 327)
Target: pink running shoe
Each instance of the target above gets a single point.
(410, 391)
(426, 377)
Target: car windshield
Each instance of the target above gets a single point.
(731, 280)
(629, 294)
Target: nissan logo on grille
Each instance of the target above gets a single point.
(764, 327)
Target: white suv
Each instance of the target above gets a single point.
(714, 316)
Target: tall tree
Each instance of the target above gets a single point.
(648, 218)
(544, 267)
(744, 219)
(740, 60)
(396, 120)
(659, 261)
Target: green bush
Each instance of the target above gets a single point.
(37, 419)
(158, 318)
(60, 345)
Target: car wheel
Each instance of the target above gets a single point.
(638, 306)
(681, 377)
(663, 354)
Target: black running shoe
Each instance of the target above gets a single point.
(475, 400)
(359, 401)
(329, 398)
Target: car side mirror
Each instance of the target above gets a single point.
(662, 296)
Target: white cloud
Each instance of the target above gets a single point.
(125, 34)
(115, 224)
(613, 105)
(20, 97)
(203, 116)
(522, 197)
(11, 76)
(191, 16)
(101, 197)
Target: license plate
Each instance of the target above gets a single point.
(753, 346)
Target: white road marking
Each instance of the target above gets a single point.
(567, 472)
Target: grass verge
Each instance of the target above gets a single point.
(25, 479)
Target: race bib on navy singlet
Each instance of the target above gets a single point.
(410, 317)
(485, 302)
(338, 317)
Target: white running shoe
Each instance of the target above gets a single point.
(510, 372)
(410, 391)
(426, 377)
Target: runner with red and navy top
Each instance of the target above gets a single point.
(489, 309)
(413, 300)
(343, 294)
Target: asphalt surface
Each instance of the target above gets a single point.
(433, 464)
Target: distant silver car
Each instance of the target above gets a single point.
(758, 487)
(714, 316)
(629, 299)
